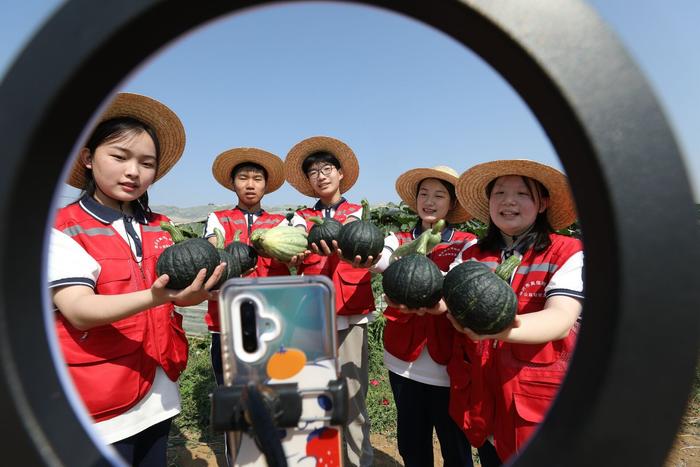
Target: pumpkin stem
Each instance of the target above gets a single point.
(438, 227)
(237, 236)
(422, 245)
(506, 268)
(174, 232)
(365, 210)
(316, 220)
(219, 238)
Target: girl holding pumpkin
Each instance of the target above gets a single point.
(325, 168)
(417, 346)
(504, 383)
(251, 173)
(120, 336)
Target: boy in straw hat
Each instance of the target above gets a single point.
(516, 373)
(325, 168)
(251, 173)
(418, 346)
(121, 339)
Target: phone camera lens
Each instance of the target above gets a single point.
(249, 327)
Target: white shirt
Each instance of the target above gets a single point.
(423, 369)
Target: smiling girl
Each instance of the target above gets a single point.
(117, 327)
(503, 384)
(418, 346)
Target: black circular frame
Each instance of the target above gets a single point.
(629, 379)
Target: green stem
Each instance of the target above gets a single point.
(365, 210)
(174, 232)
(506, 268)
(237, 236)
(316, 220)
(422, 247)
(219, 238)
(438, 227)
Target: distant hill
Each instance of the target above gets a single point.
(199, 213)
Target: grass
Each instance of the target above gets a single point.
(196, 383)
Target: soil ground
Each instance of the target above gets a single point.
(184, 451)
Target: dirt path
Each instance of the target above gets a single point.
(185, 451)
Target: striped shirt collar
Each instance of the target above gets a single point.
(257, 213)
(319, 206)
(107, 215)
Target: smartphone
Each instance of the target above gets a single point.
(280, 332)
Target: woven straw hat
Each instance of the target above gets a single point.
(227, 160)
(407, 188)
(296, 156)
(471, 189)
(167, 126)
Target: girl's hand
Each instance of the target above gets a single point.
(322, 248)
(357, 261)
(195, 293)
(298, 259)
(480, 337)
(438, 309)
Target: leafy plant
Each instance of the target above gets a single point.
(196, 383)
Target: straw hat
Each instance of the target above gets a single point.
(471, 188)
(296, 156)
(227, 160)
(167, 126)
(407, 188)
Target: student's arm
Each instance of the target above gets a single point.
(391, 243)
(85, 309)
(73, 273)
(561, 309)
(549, 324)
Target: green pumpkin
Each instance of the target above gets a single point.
(233, 267)
(414, 281)
(244, 255)
(281, 242)
(479, 299)
(326, 229)
(183, 260)
(361, 238)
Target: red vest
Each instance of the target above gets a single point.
(353, 288)
(113, 366)
(406, 334)
(235, 220)
(521, 379)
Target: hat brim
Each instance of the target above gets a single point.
(295, 158)
(471, 189)
(227, 160)
(407, 188)
(164, 122)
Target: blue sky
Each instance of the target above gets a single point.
(400, 93)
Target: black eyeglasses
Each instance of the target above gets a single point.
(326, 170)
